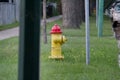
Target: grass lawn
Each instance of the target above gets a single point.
(103, 56)
(8, 26)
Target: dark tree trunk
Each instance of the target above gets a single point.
(71, 10)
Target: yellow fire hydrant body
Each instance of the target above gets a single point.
(57, 39)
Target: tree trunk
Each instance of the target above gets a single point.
(44, 22)
(71, 13)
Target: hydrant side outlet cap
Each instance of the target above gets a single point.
(55, 30)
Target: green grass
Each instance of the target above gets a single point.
(103, 56)
(8, 26)
(8, 59)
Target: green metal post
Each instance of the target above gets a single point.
(29, 40)
(100, 18)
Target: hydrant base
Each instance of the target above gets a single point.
(56, 57)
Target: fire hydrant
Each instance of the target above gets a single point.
(57, 39)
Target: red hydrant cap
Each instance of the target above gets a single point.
(55, 30)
